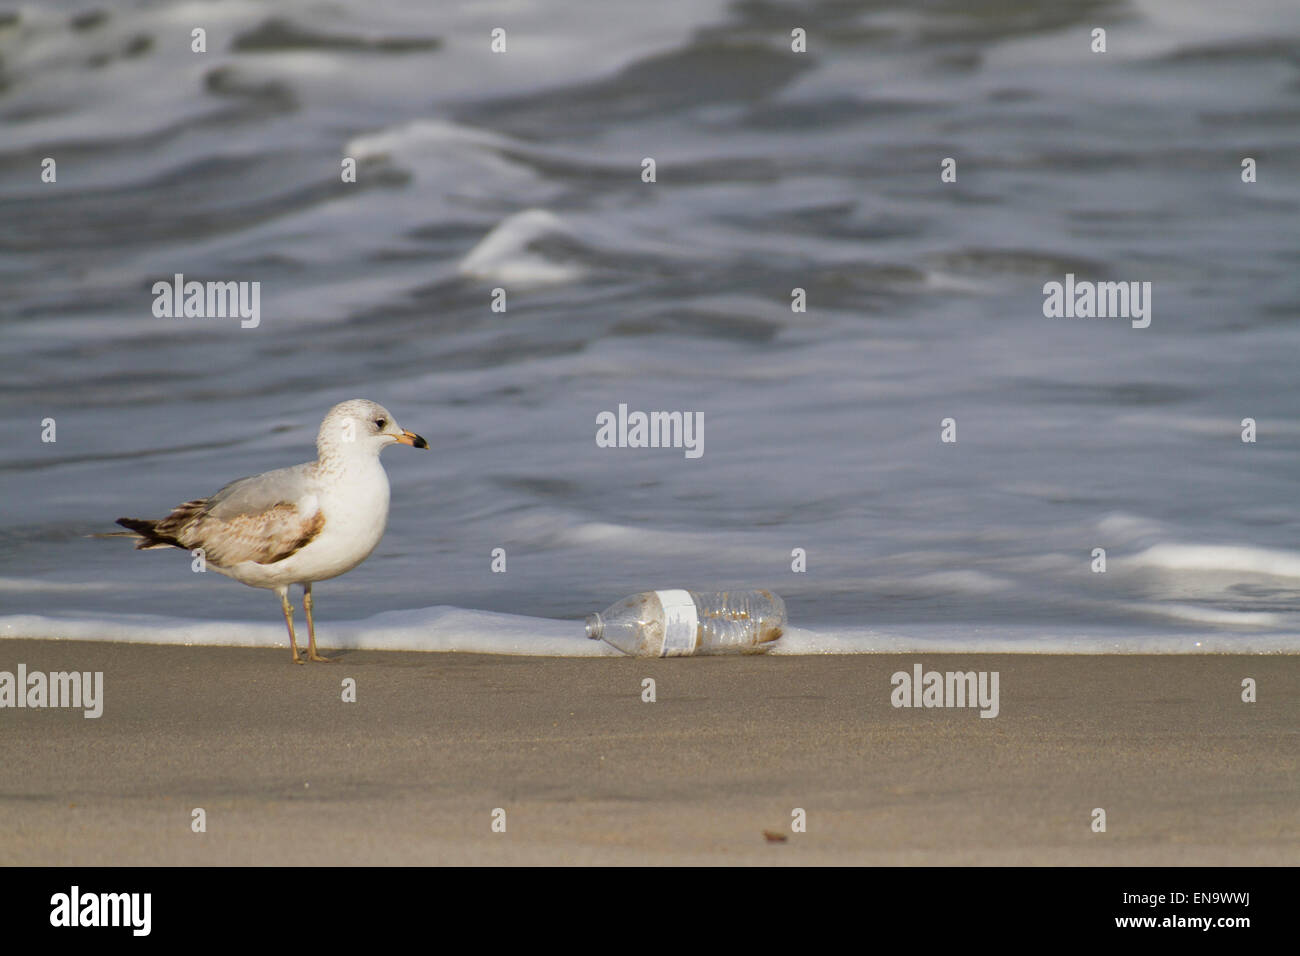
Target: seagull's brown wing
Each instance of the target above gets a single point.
(248, 520)
(264, 536)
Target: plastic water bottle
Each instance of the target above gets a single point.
(682, 623)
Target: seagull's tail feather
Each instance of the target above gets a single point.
(146, 533)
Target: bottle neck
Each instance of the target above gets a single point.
(595, 627)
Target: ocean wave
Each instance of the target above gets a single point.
(1225, 558)
(506, 254)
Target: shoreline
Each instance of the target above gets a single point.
(449, 629)
(589, 773)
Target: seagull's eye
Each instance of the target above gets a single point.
(381, 423)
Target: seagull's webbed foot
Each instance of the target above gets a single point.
(313, 656)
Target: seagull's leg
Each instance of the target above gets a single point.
(311, 628)
(288, 620)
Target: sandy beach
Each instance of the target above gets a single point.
(586, 772)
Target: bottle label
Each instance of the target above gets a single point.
(681, 623)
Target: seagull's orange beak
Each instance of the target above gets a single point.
(412, 439)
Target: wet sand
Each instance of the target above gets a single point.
(586, 772)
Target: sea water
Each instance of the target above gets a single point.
(822, 472)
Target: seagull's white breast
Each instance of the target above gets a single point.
(354, 504)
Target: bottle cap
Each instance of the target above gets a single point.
(595, 627)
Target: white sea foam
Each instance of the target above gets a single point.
(420, 139)
(448, 629)
(947, 639)
(1222, 617)
(503, 254)
(1247, 560)
(440, 628)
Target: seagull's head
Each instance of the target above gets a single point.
(362, 426)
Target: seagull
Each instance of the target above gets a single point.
(296, 525)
